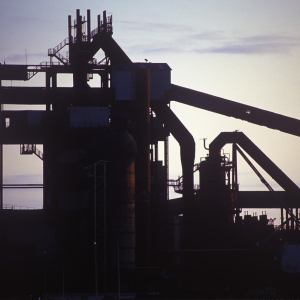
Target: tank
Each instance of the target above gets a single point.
(118, 150)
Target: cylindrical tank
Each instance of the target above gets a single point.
(118, 149)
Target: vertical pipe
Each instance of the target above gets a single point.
(99, 22)
(89, 25)
(70, 30)
(78, 26)
(118, 253)
(167, 164)
(63, 274)
(235, 178)
(281, 215)
(95, 231)
(143, 222)
(235, 190)
(104, 229)
(48, 83)
(104, 21)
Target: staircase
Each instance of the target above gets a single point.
(36, 69)
(26, 149)
(55, 51)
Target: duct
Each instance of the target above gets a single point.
(240, 138)
(187, 146)
(233, 109)
(110, 47)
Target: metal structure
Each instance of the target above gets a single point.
(162, 246)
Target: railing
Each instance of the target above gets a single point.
(17, 207)
(31, 149)
(104, 27)
(109, 27)
(94, 32)
(64, 60)
(177, 184)
(53, 51)
(27, 148)
(39, 153)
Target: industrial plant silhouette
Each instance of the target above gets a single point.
(107, 225)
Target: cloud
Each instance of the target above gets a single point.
(155, 27)
(172, 38)
(256, 44)
(207, 35)
(170, 49)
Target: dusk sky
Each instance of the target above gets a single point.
(244, 51)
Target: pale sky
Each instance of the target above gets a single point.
(244, 51)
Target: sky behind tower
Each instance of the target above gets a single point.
(244, 51)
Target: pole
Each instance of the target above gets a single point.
(95, 231)
(63, 274)
(118, 270)
(104, 225)
(45, 274)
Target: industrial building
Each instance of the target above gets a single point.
(107, 224)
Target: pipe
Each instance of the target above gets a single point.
(142, 137)
(89, 25)
(70, 30)
(241, 139)
(187, 146)
(78, 26)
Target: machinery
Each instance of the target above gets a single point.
(107, 223)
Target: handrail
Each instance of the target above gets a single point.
(38, 153)
(17, 207)
(61, 58)
(53, 51)
(178, 183)
(36, 68)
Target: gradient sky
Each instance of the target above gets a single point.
(245, 51)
